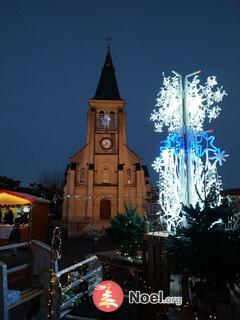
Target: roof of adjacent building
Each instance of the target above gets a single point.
(107, 88)
(231, 192)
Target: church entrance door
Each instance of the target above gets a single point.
(105, 209)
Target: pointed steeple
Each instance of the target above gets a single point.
(107, 88)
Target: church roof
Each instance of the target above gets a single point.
(107, 88)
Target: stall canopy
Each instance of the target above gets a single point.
(12, 198)
(36, 226)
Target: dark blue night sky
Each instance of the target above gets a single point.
(51, 57)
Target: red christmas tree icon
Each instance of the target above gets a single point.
(106, 299)
(108, 296)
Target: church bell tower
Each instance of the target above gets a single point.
(105, 175)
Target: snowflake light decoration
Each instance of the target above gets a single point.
(187, 164)
(200, 102)
(219, 156)
(157, 164)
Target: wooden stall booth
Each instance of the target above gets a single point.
(29, 212)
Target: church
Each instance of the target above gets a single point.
(105, 175)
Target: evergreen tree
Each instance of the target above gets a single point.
(128, 229)
(206, 247)
(9, 183)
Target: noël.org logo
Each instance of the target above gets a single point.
(108, 297)
(153, 298)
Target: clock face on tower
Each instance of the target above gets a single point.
(106, 143)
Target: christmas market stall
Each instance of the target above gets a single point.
(26, 212)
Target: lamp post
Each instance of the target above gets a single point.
(185, 132)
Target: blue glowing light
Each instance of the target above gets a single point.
(201, 143)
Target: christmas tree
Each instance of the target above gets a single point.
(207, 247)
(128, 229)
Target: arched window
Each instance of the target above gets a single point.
(101, 125)
(82, 175)
(129, 175)
(105, 209)
(112, 121)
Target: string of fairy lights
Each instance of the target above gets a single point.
(76, 286)
(72, 283)
(77, 196)
(145, 286)
(56, 246)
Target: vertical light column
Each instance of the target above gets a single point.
(187, 173)
(183, 88)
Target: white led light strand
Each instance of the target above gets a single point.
(187, 164)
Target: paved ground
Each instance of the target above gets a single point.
(75, 250)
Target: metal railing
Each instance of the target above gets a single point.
(91, 275)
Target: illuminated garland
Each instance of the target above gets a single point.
(78, 196)
(76, 284)
(146, 287)
(56, 246)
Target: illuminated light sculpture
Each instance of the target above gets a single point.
(187, 164)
